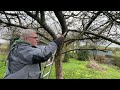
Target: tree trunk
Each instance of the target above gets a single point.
(58, 64)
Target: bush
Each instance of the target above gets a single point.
(66, 57)
(83, 55)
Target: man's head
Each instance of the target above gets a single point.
(29, 36)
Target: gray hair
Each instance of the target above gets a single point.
(26, 32)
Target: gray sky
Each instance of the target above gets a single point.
(115, 45)
(3, 41)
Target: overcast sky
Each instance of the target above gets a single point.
(3, 41)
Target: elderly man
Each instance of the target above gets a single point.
(25, 57)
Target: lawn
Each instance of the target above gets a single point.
(75, 69)
(2, 69)
(2, 65)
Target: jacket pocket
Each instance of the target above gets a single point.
(34, 75)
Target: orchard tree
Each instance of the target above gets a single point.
(95, 27)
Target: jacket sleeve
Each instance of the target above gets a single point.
(43, 53)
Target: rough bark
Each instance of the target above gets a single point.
(58, 64)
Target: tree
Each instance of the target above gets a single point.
(78, 26)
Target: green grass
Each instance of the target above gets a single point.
(117, 53)
(2, 65)
(3, 57)
(3, 46)
(77, 70)
(2, 69)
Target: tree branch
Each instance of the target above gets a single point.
(90, 22)
(73, 40)
(12, 14)
(43, 36)
(42, 23)
(92, 19)
(10, 24)
(103, 37)
(83, 49)
(62, 21)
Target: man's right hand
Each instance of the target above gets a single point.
(59, 40)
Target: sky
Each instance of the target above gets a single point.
(115, 45)
(3, 41)
(51, 23)
(112, 45)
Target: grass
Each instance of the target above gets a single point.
(117, 53)
(3, 46)
(3, 57)
(75, 69)
(2, 65)
(2, 69)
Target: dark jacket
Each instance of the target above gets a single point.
(24, 60)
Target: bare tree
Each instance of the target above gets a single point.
(78, 26)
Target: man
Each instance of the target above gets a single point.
(25, 57)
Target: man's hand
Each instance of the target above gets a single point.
(59, 41)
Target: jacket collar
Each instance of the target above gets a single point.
(19, 41)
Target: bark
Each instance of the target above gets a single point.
(62, 21)
(58, 64)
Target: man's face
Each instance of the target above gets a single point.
(33, 39)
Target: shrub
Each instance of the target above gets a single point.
(66, 57)
(83, 55)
